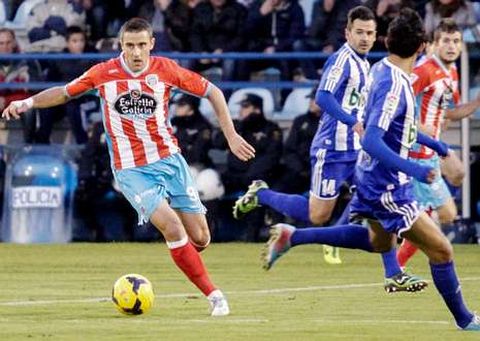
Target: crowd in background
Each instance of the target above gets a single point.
(204, 26)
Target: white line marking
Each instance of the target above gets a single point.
(340, 321)
(196, 295)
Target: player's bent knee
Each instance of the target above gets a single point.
(381, 246)
(201, 243)
(444, 253)
(457, 179)
(447, 216)
(171, 230)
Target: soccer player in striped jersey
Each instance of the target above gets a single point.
(436, 86)
(385, 195)
(335, 147)
(146, 161)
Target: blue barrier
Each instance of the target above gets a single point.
(191, 55)
(39, 183)
(179, 55)
(183, 56)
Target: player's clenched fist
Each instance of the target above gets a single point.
(16, 108)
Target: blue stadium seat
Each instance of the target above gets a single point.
(21, 16)
(3, 15)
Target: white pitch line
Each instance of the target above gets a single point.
(340, 321)
(196, 295)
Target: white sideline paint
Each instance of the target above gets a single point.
(228, 293)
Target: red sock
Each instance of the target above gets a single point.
(405, 252)
(190, 262)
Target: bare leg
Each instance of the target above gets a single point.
(197, 229)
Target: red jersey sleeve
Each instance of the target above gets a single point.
(186, 80)
(84, 83)
(456, 89)
(421, 78)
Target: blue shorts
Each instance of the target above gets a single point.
(396, 210)
(147, 186)
(432, 195)
(330, 170)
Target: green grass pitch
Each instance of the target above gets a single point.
(62, 292)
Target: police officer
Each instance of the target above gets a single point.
(296, 157)
(265, 136)
(193, 131)
(105, 211)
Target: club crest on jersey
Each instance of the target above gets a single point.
(151, 80)
(136, 104)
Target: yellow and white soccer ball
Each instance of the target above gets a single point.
(133, 294)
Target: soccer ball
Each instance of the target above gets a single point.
(133, 294)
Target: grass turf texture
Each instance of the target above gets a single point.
(61, 292)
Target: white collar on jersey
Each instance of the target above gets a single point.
(440, 63)
(355, 54)
(127, 69)
(393, 66)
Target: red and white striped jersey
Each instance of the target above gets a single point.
(135, 106)
(436, 89)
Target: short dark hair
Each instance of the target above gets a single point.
(8, 30)
(447, 25)
(361, 13)
(405, 34)
(136, 25)
(71, 30)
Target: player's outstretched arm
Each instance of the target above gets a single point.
(439, 146)
(45, 99)
(463, 110)
(239, 147)
(374, 145)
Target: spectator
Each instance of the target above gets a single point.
(460, 10)
(78, 109)
(326, 32)
(295, 177)
(274, 26)
(216, 28)
(95, 18)
(96, 199)
(193, 131)
(48, 22)
(171, 22)
(385, 11)
(264, 135)
(18, 71)
(329, 20)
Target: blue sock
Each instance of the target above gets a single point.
(390, 263)
(447, 284)
(292, 205)
(347, 236)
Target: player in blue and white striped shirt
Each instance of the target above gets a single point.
(384, 193)
(335, 147)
